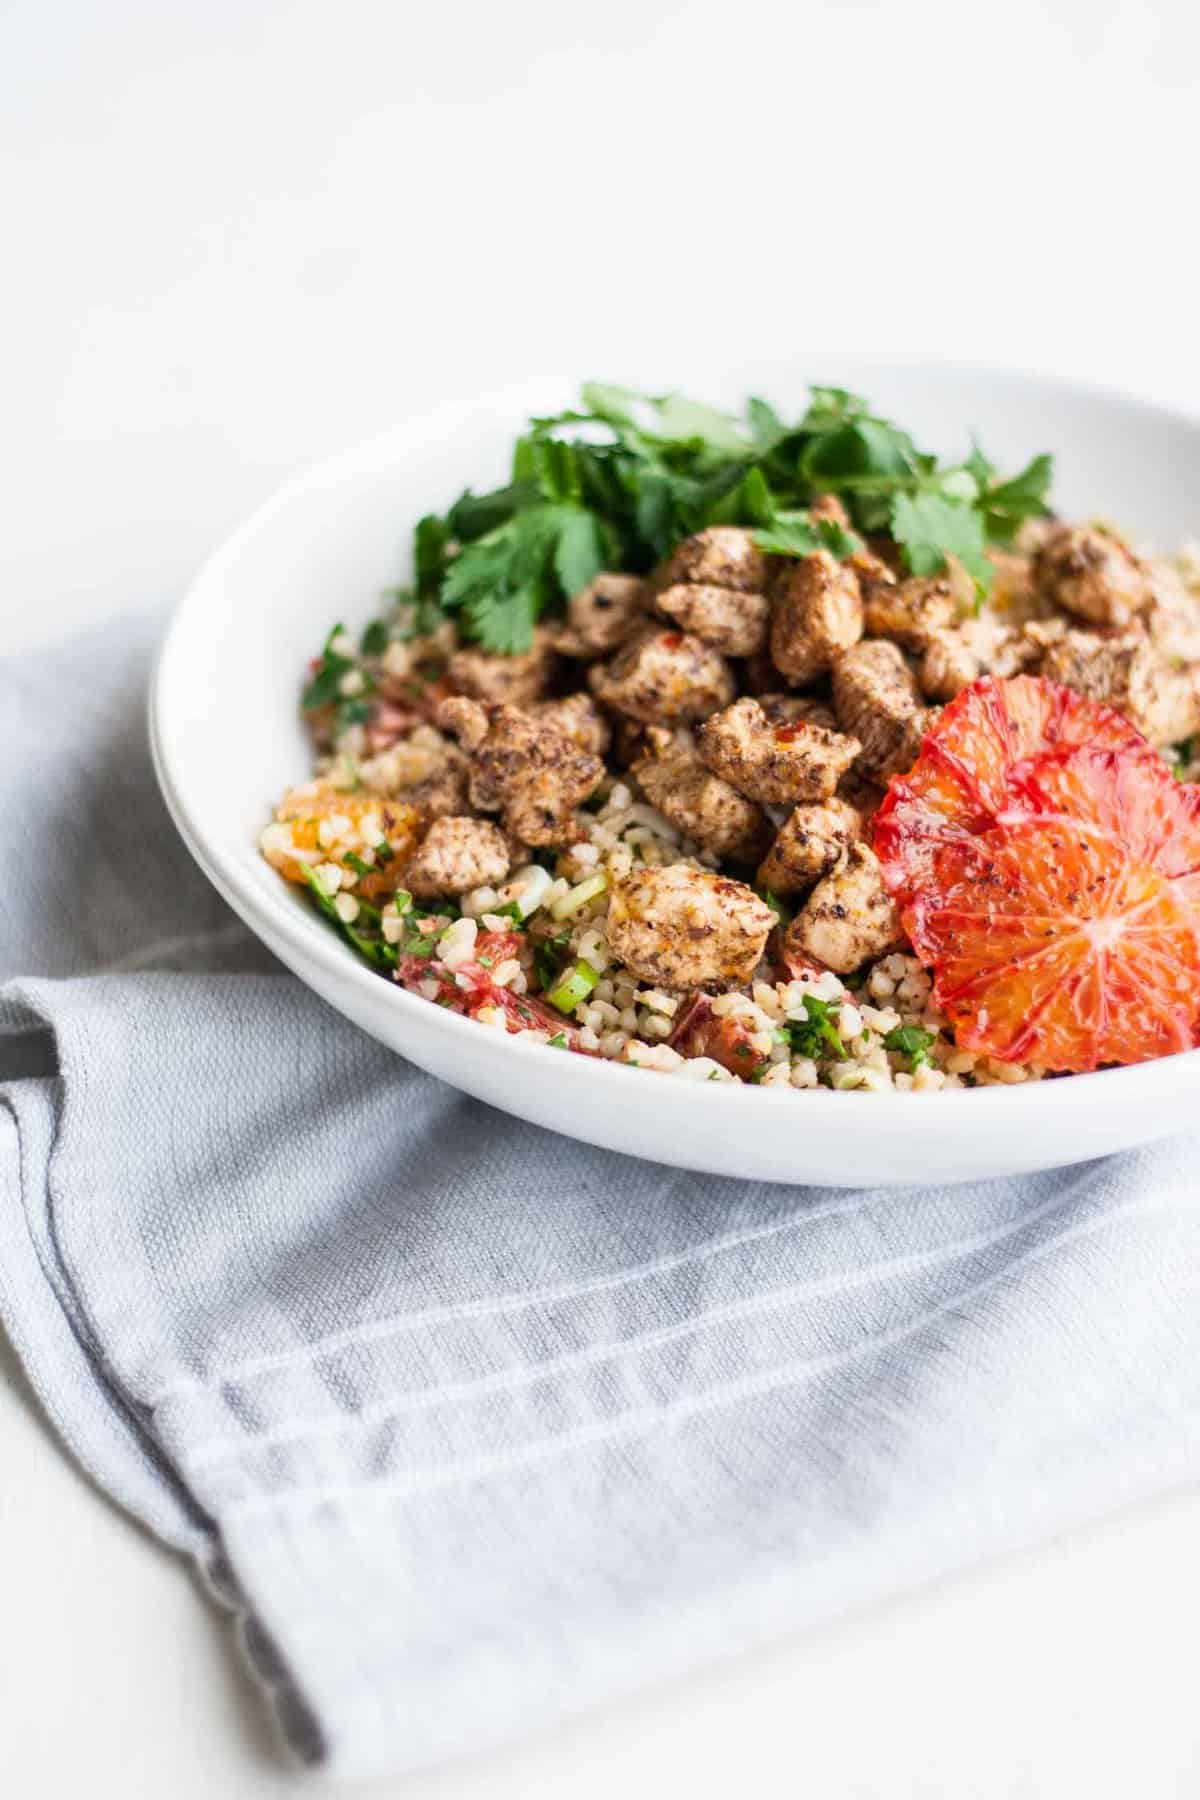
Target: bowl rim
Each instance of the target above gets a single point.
(282, 920)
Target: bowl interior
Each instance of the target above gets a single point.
(229, 740)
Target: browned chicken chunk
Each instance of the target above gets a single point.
(810, 842)
(664, 678)
(514, 680)
(457, 854)
(723, 556)
(849, 917)
(732, 622)
(948, 665)
(785, 709)
(524, 766)
(580, 718)
(602, 615)
(1091, 573)
(701, 805)
(1126, 672)
(910, 612)
(875, 698)
(817, 613)
(681, 927)
(774, 763)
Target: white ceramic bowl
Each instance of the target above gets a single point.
(228, 740)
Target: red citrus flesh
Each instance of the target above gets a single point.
(1047, 867)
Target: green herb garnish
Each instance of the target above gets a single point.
(619, 481)
(912, 1041)
(816, 1035)
(374, 950)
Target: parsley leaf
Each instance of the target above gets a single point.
(799, 534)
(620, 480)
(324, 687)
(374, 640)
(930, 527)
(503, 583)
(912, 1041)
(1006, 504)
(816, 1034)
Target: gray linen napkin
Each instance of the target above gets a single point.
(474, 1425)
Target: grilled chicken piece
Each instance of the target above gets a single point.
(664, 678)
(1125, 671)
(849, 917)
(524, 766)
(511, 680)
(714, 585)
(466, 718)
(723, 556)
(876, 700)
(1092, 574)
(732, 622)
(810, 842)
(701, 805)
(580, 718)
(948, 665)
(1173, 620)
(785, 709)
(457, 854)
(910, 612)
(775, 764)
(681, 927)
(817, 613)
(602, 615)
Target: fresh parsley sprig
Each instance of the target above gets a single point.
(620, 480)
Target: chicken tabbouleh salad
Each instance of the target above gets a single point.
(768, 752)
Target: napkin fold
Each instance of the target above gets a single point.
(475, 1426)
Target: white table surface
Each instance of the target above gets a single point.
(238, 234)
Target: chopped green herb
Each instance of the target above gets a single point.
(420, 944)
(510, 910)
(782, 911)
(385, 853)
(558, 1041)
(816, 1035)
(912, 1041)
(1183, 754)
(354, 861)
(374, 639)
(324, 686)
(373, 950)
(547, 959)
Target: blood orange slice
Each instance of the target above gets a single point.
(1047, 867)
(972, 763)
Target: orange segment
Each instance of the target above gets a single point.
(353, 823)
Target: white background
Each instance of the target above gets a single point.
(238, 235)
